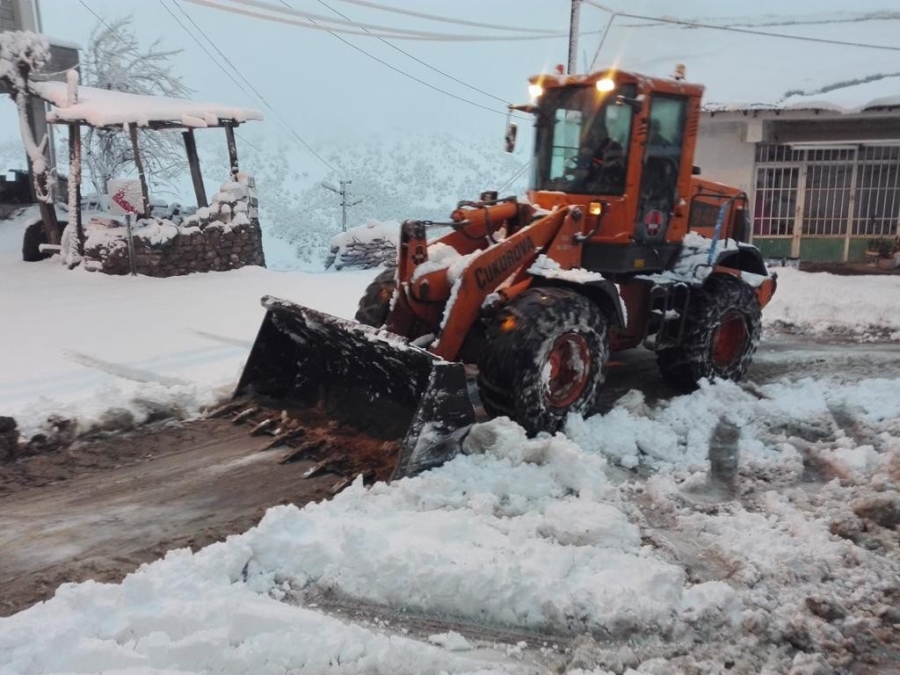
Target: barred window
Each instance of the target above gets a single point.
(776, 201)
(823, 180)
(877, 209)
(827, 199)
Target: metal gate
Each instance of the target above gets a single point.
(825, 203)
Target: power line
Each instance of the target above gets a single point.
(262, 99)
(405, 74)
(748, 31)
(397, 34)
(325, 4)
(420, 61)
(245, 141)
(612, 17)
(442, 19)
(270, 7)
(514, 177)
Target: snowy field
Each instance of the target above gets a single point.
(80, 343)
(607, 549)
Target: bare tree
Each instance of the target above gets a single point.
(113, 61)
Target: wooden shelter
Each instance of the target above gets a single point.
(77, 106)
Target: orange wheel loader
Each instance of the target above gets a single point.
(619, 244)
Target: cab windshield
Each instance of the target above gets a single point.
(582, 140)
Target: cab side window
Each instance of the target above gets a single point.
(662, 157)
(662, 162)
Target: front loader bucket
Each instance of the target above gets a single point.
(361, 377)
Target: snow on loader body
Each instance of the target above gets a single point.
(621, 244)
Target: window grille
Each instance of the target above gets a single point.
(877, 209)
(843, 191)
(776, 200)
(827, 199)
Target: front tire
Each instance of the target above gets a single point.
(721, 334)
(375, 304)
(545, 357)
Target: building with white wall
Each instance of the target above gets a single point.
(822, 180)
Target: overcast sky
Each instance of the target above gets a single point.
(326, 90)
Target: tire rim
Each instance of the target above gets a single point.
(730, 339)
(567, 370)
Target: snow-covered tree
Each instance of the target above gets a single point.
(411, 177)
(22, 54)
(114, 61)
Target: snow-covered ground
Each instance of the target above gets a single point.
(823, 304)
(610, 546)
(78, 343)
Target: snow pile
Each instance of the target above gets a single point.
(194, 614)
(102, 236)
(823, 304)
(366, 246)
(676, 433)
(534, 534)
(232, 206)
(156, 231)
(528, 533)
(525, 533)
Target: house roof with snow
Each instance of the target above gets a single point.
(104, 108)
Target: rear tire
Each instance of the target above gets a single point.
(31, 243)
(720, 336)
(545, 357)
(375, 304)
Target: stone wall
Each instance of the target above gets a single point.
(366, 246)
(363, 254)
(191, 250)
(224, 236)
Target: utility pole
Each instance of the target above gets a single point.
(573, 36)
(344, 194)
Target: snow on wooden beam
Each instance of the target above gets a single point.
(104, 108)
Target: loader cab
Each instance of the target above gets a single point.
(621, 144)
(583, 139)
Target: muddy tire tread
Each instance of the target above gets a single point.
(375, 302)
(509, 377)
(685, 365)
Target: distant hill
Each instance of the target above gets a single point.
(414, 177)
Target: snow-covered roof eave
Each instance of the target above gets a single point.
(65, 44)
(104, 108)
(886, 103)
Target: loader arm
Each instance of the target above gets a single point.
(487, 271)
